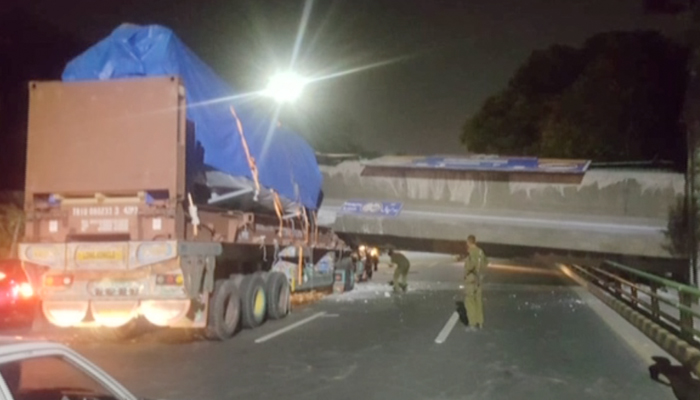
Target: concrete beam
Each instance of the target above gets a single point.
(618, 212)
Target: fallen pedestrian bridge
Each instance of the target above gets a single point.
(612, 213)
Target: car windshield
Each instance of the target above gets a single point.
(51, 378)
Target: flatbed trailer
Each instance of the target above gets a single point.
(116, 230)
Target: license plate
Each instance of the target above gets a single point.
(115, 288)
(100, 255)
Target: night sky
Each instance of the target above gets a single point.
(455, 53)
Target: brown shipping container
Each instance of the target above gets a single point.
(113, 137)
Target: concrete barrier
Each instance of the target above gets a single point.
(617, 193)
(605, 211)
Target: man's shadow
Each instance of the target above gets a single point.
(678, 377)
(459, 305)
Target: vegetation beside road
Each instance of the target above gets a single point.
(11, 220)
(618, 97)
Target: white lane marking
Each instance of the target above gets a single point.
(290, 327)
(445, 332)
(331, 315)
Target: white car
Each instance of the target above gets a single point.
(44, 370)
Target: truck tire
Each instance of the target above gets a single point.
(224, 311)
(278, 295)
(253, 301)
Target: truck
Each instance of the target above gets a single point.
(117, 231)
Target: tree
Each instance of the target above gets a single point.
(679, 228)
(11, 222)
(618, 97)
(683, 227)
(548, 72)
(510, 121)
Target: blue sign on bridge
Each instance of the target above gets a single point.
(503, 164)
(378, 208)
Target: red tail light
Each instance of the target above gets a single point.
(23, 290)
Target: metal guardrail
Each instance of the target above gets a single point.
(640, 290)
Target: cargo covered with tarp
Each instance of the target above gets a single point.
(249, 160)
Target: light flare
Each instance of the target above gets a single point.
(523, 270)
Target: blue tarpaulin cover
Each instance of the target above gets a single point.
(284, 160)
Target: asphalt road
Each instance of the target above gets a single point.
(541, 341)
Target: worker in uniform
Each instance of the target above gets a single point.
(474, 266)
(362, 254)
(401, 272)
(368, 265)
(371, 260)
(348, 264)
(374, 255)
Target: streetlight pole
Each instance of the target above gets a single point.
(285, 87)
(691, 117)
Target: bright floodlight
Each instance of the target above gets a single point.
(285, 87)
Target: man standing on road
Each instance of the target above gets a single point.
(401, 271)
(348, 264)
(474, 265)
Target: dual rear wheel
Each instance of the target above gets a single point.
(246, 302)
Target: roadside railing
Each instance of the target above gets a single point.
(671, 304)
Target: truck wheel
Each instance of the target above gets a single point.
(253, 301)
(224, 311)
(277, 289)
